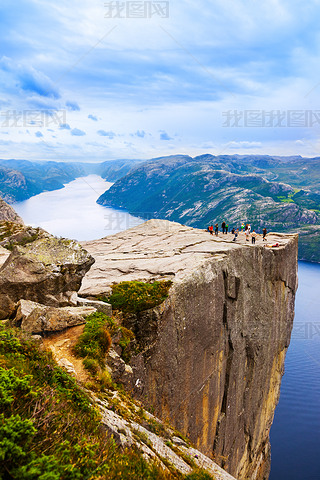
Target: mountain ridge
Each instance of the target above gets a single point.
(208, 189)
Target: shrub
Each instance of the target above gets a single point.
(95, 341)
(105, 380)
(127, 336)
(199, 475)
(133, 297)
(92, 365)
(12, 387)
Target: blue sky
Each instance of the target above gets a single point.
(79, 84)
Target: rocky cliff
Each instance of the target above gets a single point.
(36, 266)
(8, 214)
(212, 355)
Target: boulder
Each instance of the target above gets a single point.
(48, 270)
(35, 318)
(63, 362)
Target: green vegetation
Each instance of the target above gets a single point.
(199, 475)
(134, 297)
(92, 365)
(48, 428)
(126, 336)
(283, 199)
(157, 428)
(95, 341)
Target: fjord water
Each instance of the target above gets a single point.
(295, 434)
(72, 212)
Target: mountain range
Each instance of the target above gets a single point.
(279, 193)
(21, 179)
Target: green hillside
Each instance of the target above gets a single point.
(206, 189)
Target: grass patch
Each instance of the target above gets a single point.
(95, 341)
(199, 475)
(134, 297)
(157, 428)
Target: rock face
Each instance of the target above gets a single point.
(155, 447)
(7, 213)
(213, 357)
(48, 271)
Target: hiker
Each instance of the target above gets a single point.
(210, 229)
(253, 237)
(227, 226)
(223, 226)
(249, 228)
(216, 229)
(235, 235)
(246, 232)
(242, 227)
(274, 245)
(232, 231)
(264, 234)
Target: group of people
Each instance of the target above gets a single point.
(224, 227)
(246, 228)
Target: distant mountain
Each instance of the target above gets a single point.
(21, 179)
(280, 193)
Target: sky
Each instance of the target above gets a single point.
(93, 80)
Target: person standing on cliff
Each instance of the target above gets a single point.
(223, 226)
(216, 229)
(211, 229)
(227, 227)
(242, 227)
(253, 237)
(264, 234)
(235, 235)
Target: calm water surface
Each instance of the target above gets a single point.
(72, 212)
(295, 435)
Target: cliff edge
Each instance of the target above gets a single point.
(212, 354)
